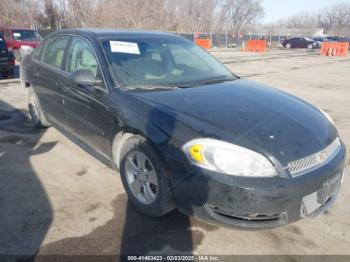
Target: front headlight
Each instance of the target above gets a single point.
(228, 158)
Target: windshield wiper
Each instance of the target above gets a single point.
(216, 81)
(151, 87)
(185, 85)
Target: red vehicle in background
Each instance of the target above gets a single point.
(20, 40)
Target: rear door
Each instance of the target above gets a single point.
(85, 106)
(46, 73)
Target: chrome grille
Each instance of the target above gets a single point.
(301, 165)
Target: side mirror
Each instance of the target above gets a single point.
(85, 78)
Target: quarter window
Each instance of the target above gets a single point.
(38, 51)
(54, 51)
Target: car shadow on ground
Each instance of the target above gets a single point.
(130, 233)
(25, 209)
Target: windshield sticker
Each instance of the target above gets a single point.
(124, 47)
(17, 34)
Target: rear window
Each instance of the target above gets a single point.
(25, 35)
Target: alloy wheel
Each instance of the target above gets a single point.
(141, 177)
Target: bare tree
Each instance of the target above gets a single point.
(19, 12)
(170, 15)
(237, 15)
(336, 20)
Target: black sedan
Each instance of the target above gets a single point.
(300, 42)
(183, 130)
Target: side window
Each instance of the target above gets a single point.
(38, 51)
(54, 51)
(81, 57)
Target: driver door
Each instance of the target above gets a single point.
(303, 43)
(85, 105)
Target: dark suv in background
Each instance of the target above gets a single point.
(20, 40)
(7, 60)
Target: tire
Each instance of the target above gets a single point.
(37, 116)
(289, 45)
(310, 46)
(161, 202)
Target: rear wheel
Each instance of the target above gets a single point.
(145, 178)
(289, 45)
(36, 114)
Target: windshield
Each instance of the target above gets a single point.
(25, 35)
(155, 61)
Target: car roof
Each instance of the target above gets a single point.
(105, 32)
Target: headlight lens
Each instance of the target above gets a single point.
(228, 158)
(330, 119)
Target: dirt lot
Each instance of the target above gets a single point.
(57, 199)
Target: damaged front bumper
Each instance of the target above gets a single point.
(256, 203)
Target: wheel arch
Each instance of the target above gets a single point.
(123, 135)
(118, 142)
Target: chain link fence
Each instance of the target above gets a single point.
(218, 40)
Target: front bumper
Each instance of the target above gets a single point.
(255, 203)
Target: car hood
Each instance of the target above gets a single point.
(249, 114)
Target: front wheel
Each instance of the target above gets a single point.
(145, 178)
(289, 45)
(310, 46)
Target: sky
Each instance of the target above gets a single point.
(277, 9)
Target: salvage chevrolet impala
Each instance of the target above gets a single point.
(184, 131)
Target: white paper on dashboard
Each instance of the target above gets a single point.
(124, 47)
